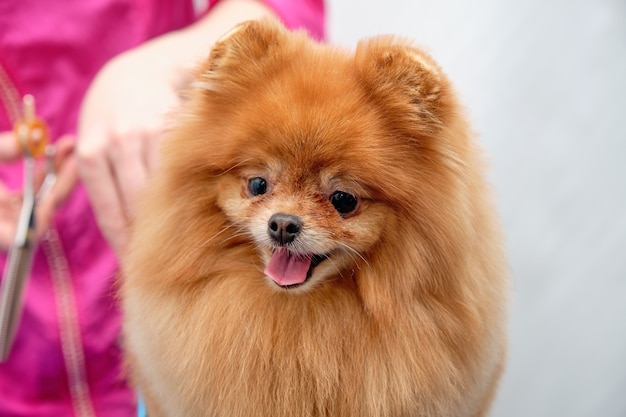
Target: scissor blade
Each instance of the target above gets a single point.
(16, 273)
(13, 285)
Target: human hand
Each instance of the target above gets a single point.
(120, 124)
(11, 201)
(121, 119)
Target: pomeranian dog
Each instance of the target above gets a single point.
(318, 242)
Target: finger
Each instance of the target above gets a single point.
(7, 233)
(66, 168)
(10, 205)
(96, 173)
(160, 125)
(66, 178)
(129, 166)
(152, 150)
(9, 198)
(62, 184)
(9, 150)
(64, 147)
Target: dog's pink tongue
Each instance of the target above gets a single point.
(286, 269)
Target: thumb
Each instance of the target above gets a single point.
(9, 150)
(66, 170)
(67, 175)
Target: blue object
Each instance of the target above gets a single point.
(141, 409)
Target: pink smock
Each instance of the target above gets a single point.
(66, 359)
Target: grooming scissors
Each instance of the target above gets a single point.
(33, 140)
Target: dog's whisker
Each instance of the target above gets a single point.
(233, 166)
(336, 266)
(353, 253)
(215, 236)
(205, 243)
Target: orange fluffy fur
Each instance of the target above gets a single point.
(405, 317)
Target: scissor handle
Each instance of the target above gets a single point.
(31, 131)
(32, 139)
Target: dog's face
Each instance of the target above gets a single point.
(301, 180)
(310, 214)
(317, 156)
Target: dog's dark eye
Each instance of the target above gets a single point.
(257, 186)
(343, 202)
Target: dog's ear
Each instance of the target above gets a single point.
(238, 55)
(405, 80)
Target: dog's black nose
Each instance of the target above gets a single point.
(284, 228)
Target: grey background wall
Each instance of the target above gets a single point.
(545, 84)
